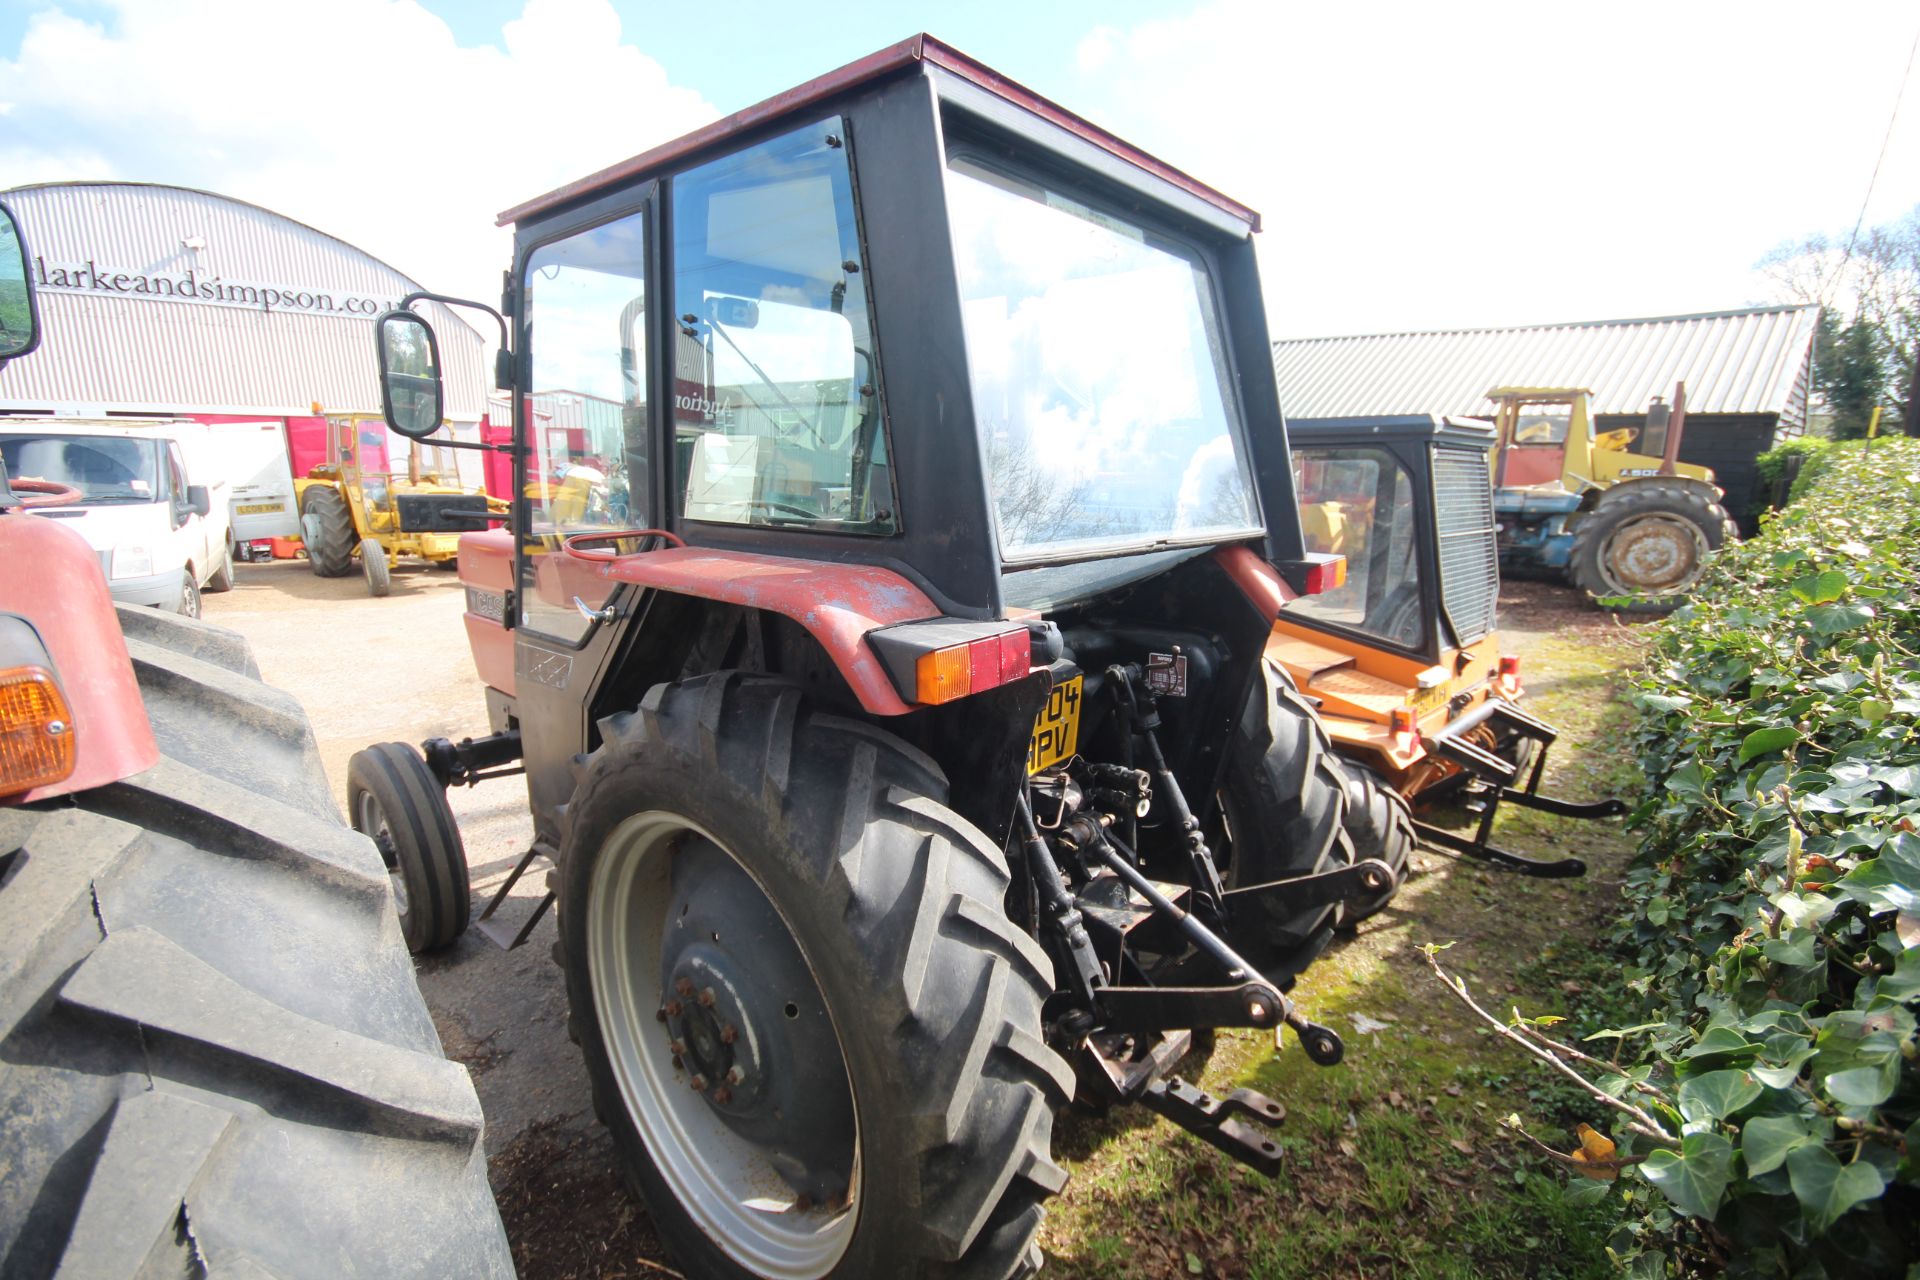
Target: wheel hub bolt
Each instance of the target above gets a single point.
(678, 1048)
(672, 1009)
(699, 1083)
(706, 997)
(723, 1095)
(729, 1033)
(735, 1075)
(684, 986)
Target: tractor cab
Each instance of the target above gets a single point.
(1407, 644)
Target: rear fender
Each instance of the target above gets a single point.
(53, 580)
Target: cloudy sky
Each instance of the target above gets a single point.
(1419, 165)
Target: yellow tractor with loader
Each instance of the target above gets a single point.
(357, 503)
(1632, 530)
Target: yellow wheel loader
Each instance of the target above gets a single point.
(357, 504)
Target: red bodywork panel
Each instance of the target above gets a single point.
(1259, 581)
(837, 603)
(486, 564)
(920, 48)
(53, 580)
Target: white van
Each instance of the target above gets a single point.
(162, 536)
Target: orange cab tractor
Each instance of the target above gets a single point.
(1403, 661)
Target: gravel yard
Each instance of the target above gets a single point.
(397, 669)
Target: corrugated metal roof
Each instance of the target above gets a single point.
(1751, 361)
(167, 299)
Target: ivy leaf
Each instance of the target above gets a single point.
(1826, 1188)
(1864, 1086)
(1695, 1177)
(1903, 983)
(1873, 711)
(1761, 741)
(1663, 702)
(1820, 587)
(1834, 619)
(1688, 782)
(1804, 910)
(1766, 1141)
(1717, 1094)
(1890, 882)
(1723, 1042)
(1795, 952)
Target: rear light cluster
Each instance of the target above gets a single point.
(1405, 731)
(1329, 574)
(943, 675)
(1510, 676)
(36, 731)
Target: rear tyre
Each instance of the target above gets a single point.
(327, 527)
(1283, 807)
(1380, 826)
(189, 605)
(808, 1024)
(394, 800)
(1648, 540)
(216, 1059)
(222, 579)
(373, 562)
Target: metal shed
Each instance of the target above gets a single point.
(1747, 375)
(160, 299)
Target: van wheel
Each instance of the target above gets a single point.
(373, 562)
(189, 606)
(222, 579)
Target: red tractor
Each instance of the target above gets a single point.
(906, 761)
(213, 1055)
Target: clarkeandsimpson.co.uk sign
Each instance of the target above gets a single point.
(193, 285)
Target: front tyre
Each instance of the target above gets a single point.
(1380, 826)
(808, 1024)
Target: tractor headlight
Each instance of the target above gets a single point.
(132, 562)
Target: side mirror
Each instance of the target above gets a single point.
(410, 374)
(198, 500)
(19, 313)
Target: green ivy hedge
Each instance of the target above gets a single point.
(1773, 927)
(1772, 464)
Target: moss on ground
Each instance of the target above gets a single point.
(1395, 1162)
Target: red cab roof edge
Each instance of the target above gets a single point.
(918, 48)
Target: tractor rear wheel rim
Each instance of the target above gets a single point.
(371, 821)
(1657, 554)
(661, 1006)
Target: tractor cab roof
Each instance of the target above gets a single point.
(919, 52)
(1392, 427)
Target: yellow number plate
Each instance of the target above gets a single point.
(1425, 700)
(258, 508)
(1056, 730)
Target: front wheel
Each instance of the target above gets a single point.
(222, 579)
(808, 1024)
(373, 563)
(1381, 826)
(189, 602)
(395, 801)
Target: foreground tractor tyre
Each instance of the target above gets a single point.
(1380, 826)
(808, 1024)
(1283, 806)
(214, 1058)
(327, 528)
(394, 800)
(373, 562)
(1649, 540)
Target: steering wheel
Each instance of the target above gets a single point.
(44, 493)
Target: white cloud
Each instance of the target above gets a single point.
(1425, 165)
(363, 118)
